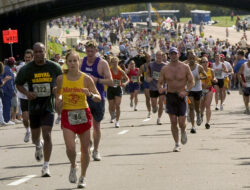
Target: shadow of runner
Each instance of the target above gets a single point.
(138, 154)
(35, 166)
(11, 178)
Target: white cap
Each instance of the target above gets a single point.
(61, 61)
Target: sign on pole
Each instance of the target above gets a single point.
(10, 36)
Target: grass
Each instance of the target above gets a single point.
(223, 21)
(57, 48)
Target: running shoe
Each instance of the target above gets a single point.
(45, 171)
(184, 137)
(198, 120)
(149, 114)
(58, 120)
(16, 121)
(135, 109)
(27, 137)
(207, 126)
(82, 182)
(131, 104)
(177, 148)
(221, 107)
(216, 108)
(158, 121)
(193, 130)
(96, 156)
(39, 152)
(117, 124)
(10, 123)
(72, 175)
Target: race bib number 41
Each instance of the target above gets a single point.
(42, 90)
(77, 117)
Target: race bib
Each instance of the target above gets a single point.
(247, 79)
(156, 75)
(134, 78)
(218, 73)
(42, 90)
(77, 117)
(117, 83)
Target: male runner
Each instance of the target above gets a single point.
(99, 70)
(40, 75)
(177, 75)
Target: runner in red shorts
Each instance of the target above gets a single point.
(74, 86)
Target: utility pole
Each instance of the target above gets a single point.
(149, 20)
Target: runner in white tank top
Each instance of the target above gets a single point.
(244, 77)
(195, 93)
(219, 68)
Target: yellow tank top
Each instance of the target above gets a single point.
(72, 94)
(208, 80)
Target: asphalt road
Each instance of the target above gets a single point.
(141, 157)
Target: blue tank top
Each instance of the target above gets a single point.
(92, 70)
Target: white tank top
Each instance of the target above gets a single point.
(218, 71)
(246, 74)
(196, 74)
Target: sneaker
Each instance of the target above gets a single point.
(221, 107)
(82, 182)
(39, 152)
(45, 171)
(27, 137)
(216, 108)
(111, 120)
(158, 121)
(96, 156)
(184, 138)
(155, 109)
(135, 109)
(72, 175)
(207, 126)
(149, 114)
(177, 148)
(117, 124)
(131, 104)
(17, 121)
(58, 120)
(198, 121)
(193, 130)
(228, 92)
(10, 123)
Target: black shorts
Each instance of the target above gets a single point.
(220, 83)
(246, 91)
(155, 93)
(97, 109)
(196, 94)
(112, 92)
(176, 105)
(24, 104)
(46, 119)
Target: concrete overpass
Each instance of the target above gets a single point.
(29, 16)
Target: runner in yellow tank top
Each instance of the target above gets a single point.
(207, 91)
(74, 87)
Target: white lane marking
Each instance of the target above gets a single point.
(18, 182)
(123, 132)
(146, 119)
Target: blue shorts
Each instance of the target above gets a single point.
(145, 85)
(133, 86)
(97, 109)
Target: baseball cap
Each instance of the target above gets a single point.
(173, 49)
(222, 55)
(11, 60)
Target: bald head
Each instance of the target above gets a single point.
(39, 44)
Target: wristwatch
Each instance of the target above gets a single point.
(91, 96)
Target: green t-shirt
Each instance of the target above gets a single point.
(41, 79)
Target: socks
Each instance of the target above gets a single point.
(28, 129)
(45, 164)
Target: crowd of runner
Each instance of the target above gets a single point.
(177, 71)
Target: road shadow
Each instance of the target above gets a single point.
(11, 178)
(138, 154)
(246, 187)
(155, 135)
(35, 166)
(17, 146)
(245, 164)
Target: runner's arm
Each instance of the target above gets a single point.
(148, 77)
(239, 75)
(224, 68)
(106, 74)
(190, 79)
(57, 92)
(91, 90)
(125, 76)
(161, 82)
(202, 71)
